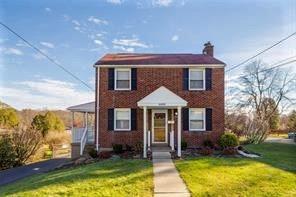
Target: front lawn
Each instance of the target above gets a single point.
(272, 175)
(106, 178)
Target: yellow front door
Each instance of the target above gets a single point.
(159, 126)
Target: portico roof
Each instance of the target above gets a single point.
(85, 107)
(162, 97)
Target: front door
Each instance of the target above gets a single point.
(159, 126)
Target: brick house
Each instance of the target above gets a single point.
(157, 99)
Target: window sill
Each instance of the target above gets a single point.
(119, 130)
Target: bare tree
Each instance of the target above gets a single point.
(26, 142)
(264, 91)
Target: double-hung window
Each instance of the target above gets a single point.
(122, 79)
(197, 119)
(122, 120)
(196, 79)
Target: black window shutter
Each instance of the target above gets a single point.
(208, 78)
(185, 78)
(110, 119)
(111, 79)
(134, 78)
(133, 119)
(209, 119)
(185, 115)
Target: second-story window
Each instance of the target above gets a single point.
(196, 79)
(122, 79)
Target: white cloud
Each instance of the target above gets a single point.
(134, 42)
(125, 49)
(47, 9)
(47, 44)
(97, 20)
(98, 42)
(41, 93)
(75, 22)
(175, 38)
(161, 3)
(11, 51)
(117, 2)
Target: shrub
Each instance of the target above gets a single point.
(139, 147)
(206, 151)
(117, 148)
(228, 140)
(54, 138)
(26, 142)
(128, 147)
(104, 155)
(229, 151)
(208, 143)
(7, 154)
(183, 145)
(93, 153)
(48, 154)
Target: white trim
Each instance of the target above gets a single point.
(145, 132)
(204, 119)
(162, 98)
(122, 109)
(204, 78)
(115, 78)
(98, 108)
(163, 66)
(179, 132)
(165, 111)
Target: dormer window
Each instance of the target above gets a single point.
(196, 79)
(122, 79)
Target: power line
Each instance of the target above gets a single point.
(263, 51)
(48, 57)
(278, 64)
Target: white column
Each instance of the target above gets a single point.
(149, 138)
(145, 132)
(172, 130)
(179, 132)
(72, 125)
(86, 119)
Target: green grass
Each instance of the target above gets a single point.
(272, 175)
(106, 178)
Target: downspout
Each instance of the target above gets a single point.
(97, 106)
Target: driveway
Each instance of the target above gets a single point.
(280, 140)
(14, 174)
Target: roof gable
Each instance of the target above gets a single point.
(162, 97)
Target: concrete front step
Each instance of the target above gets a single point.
(161, 149)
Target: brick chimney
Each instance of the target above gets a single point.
(209, 49)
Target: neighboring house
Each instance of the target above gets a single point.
(158, 99)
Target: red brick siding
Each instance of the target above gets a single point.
(149, 79)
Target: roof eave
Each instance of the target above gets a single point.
(160, 65)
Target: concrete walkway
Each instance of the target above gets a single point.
(167, 181)
(14, 174)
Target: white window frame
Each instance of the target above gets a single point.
(204, 119)
(115, 78)
(122, 109)
(204, 78)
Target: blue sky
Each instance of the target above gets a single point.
(78, 33)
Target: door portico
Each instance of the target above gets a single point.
(159, 101)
